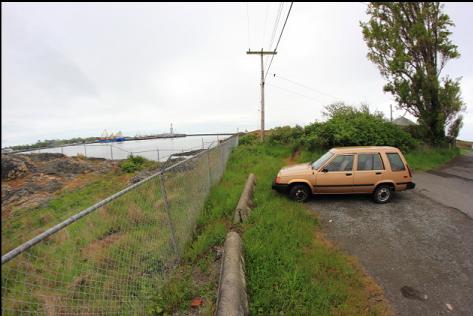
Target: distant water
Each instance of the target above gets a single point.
(150, 148)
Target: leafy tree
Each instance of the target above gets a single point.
(410, 44)
(455, 127)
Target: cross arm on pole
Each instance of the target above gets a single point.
(261, 52)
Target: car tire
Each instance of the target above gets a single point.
(383, 194)
(299, 193)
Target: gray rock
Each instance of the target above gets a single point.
(142, 175)
(65, 166)
(47, 186)
(41, 157)
(13, 167)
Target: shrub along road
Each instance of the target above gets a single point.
(419, 250)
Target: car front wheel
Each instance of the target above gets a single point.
(382, 194)
(299, 193)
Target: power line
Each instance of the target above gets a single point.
(307, 87)
(276, 24)
(275, 28)
(280, 35)
(291, 91)
(265, 23)
(263, 76)
(248, 18)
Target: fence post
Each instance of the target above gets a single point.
(85, 150)
(62, 150)
(208, 163)
(203, 143)
(222, 156)
(171, 227)
(157, 151)
(111, 151)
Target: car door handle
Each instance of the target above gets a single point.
(378, 172)
(348, 174)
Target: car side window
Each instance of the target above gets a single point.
(395, 162)
(369, 162)
(341, 163)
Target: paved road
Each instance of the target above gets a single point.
(452, 185)
(419, 250)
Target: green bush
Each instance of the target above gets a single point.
(133, 163)
(346, 126)
(286, 135)
(248, 139)
(350, 126)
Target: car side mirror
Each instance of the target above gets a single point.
(324, 170)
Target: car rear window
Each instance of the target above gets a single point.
(395, 162)
(370, 162)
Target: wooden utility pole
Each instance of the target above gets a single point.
(261, 53)
(391, 109)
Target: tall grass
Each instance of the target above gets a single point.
(430, 158)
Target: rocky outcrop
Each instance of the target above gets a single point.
(67, 166)
(30, 180)
(13, 167)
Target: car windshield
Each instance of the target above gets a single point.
(319, 162)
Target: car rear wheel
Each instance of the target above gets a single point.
(299, 193)
(382, 194)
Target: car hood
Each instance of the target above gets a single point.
(294, 169)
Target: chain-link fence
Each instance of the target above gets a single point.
(159, 149)
(112, 257)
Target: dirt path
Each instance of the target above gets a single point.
(419, 250)
(292, 160)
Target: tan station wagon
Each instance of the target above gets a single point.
(348, 170)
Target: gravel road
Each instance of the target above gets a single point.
(419, 247)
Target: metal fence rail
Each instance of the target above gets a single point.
(112, 257)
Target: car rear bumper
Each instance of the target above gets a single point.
(282, 188)
(410, 185)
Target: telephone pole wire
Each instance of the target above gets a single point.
(280, 35)
(262, 53)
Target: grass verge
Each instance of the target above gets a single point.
(290, 269)
(427, 159)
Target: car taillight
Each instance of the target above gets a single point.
(410, 172)
(278, 179)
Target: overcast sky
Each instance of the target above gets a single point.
(73, 70)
